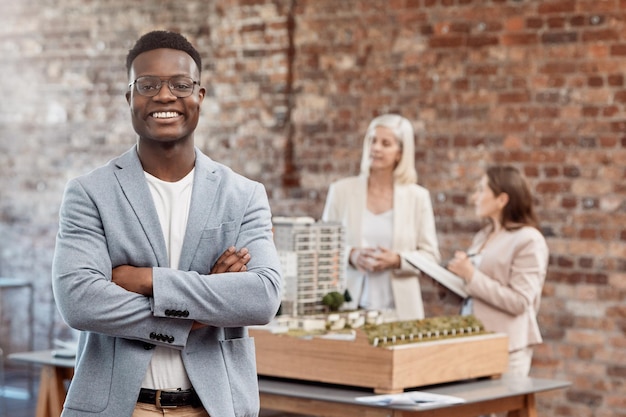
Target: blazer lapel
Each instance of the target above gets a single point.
(132, 180)
(400, 220)
(357, 204)
(205, 186)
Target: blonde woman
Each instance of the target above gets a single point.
(385, 214)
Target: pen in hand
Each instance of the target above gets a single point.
(459, 265)
(469, 256)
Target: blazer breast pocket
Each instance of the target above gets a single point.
(223, 231)
(213, 242)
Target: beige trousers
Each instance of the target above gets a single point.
(150, 410)
(519, 362)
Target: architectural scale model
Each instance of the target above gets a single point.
(360, 348)
(386, 356)
(378, 330)
(311, 256)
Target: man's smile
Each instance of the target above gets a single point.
(165, 114)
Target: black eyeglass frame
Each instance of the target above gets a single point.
(158, 87)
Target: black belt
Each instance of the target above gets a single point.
(169, 399)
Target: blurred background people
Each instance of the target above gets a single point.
(385, 213)
(505, 267)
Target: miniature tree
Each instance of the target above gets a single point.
(333, 300)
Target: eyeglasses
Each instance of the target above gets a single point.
(150, 86)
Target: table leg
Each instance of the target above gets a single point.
(529, 410)
(52, 391)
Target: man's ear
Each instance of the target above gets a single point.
(202, 93)
(127, 95)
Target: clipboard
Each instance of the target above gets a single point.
(440, 274)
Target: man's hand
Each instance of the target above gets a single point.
(232, 260)
(134, 279)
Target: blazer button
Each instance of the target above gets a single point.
(186, 313)
(170, 339)
(168, 312)
(148, 346)
(153, 335)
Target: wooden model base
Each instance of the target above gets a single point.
(384, 369)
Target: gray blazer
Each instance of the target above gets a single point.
(107, 219)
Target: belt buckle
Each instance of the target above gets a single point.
(158, 401)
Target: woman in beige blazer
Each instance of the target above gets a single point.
(509, 259)
(385, 214)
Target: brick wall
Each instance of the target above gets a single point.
(538, 84)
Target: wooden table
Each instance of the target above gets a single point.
(481, 396)
(516, 395)
(55, 373)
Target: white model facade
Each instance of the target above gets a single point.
(311, 255)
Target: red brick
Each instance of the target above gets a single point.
(511, 39)
(585, 263)
(569, 202)
(604, 35)
(534, 22)
(588, 398)
(578, 20)
(551, 187)
(587, 234)
(595, 81)
(608, 142)
(556, 22)
(482, 40)
(558, 6)
(618, 49)
(590, 111)
(558, 68)
(516, 23)
(559, 37)
(615, 80)
(571, 171)
(610, 111)
(447, 41)
(513, 97)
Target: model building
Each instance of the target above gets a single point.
(311, 255)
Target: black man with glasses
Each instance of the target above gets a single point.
(163, 258)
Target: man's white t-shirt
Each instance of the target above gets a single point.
(172, 201)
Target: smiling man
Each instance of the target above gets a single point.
(152, 260)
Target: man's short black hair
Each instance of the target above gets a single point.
(162, 39)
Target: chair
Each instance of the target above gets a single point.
(17, 283)
(12, 283)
